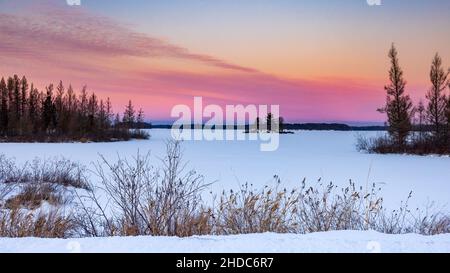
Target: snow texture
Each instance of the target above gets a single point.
(325, 242)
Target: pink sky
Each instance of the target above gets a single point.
(334, 76)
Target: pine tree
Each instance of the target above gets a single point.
(17, 99)
(448, 113)
(102, 116)
(269, 121)
(83, 110)
(281, 124)
(11, 113)
(437, 101)
(59, 104)
(258, 122)
(140, 119)
(70, 100)
(33, 108)
(28, 112)
(129, 115)
(24, 95)
(48, 110)
(3, 107)
(109, 112)
(398, 105)
(117, 121)
(92, 112)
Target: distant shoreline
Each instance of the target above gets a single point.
(294, 126)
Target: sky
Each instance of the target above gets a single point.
(320, 60)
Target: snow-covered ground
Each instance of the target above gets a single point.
(306, 154)
(330, 156)
(328, 242)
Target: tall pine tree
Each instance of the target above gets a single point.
(437, 101)
(3, 107)
(129, 115)
(398, 104)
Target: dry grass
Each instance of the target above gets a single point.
(319, 208)
(39, 181)
(17, 223)
(255, 211)
(33, 195)
(140, 199)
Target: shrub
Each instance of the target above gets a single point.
(146, 200)
(18, 223)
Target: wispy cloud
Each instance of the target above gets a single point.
(50, 43)
(54, 30)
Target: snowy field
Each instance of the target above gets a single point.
(329, 242)
(330, 156)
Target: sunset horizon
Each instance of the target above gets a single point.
(225, 135)
(321, 61)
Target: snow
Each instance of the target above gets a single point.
(328, 242)
(329, 155)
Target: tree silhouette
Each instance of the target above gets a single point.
(29, 114)
(398, 105)
(437, 101)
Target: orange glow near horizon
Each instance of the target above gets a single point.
(318, 62)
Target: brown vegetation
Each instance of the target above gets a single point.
(135, 198)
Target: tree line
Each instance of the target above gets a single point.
(269, 124)
(59, 114)
(430, 120)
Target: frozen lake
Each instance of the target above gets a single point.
(328, 155)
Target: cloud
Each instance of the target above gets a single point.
(70, 44)
(53, 30)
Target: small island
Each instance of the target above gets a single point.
(269, 125)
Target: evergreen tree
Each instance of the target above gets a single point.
(117, 121)
(398, 104)
(11, 113)
(17, 99)
(24, 95)
(102, 117)
(258, 122)
(48, 110)
(28, 113)
(83, 110)
(109, 112)
(437, 101)
(92, 112)
(129, 115)
(269, 121)
(281, 124)
(59, 104)
(33, 108)
(70, 100)
(70, 118)
(3, 107)
(140, 119)
(448, 113)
